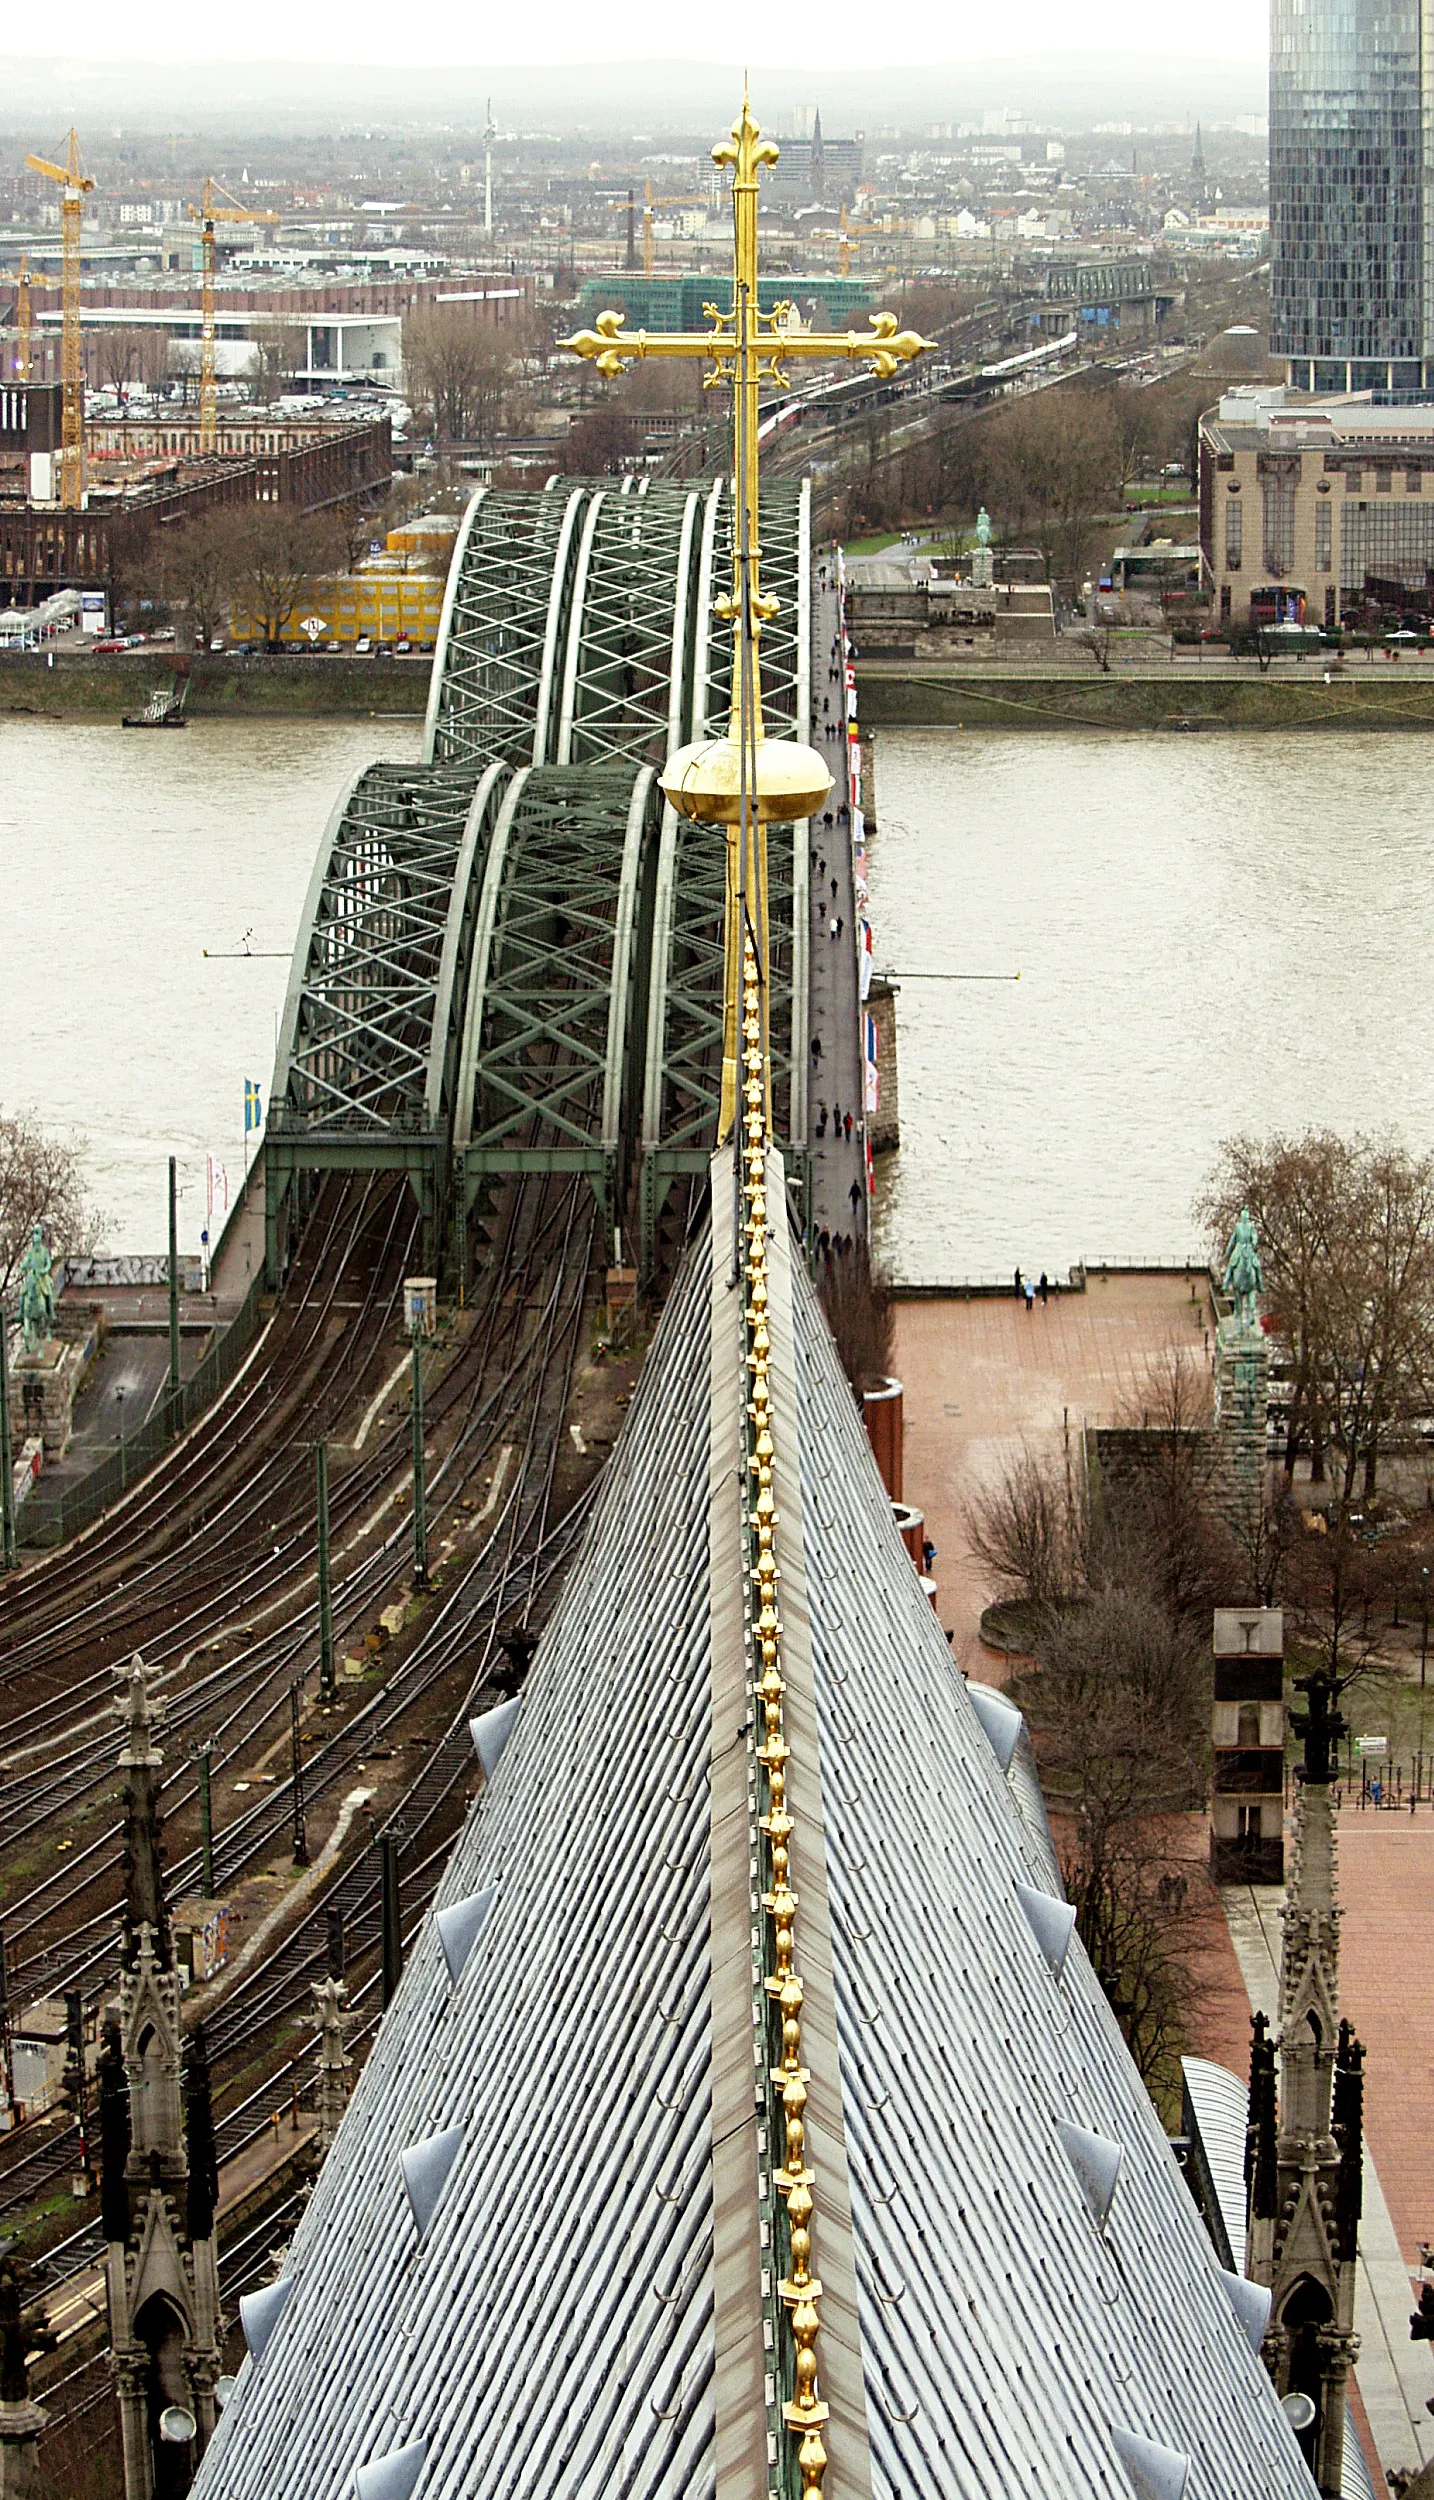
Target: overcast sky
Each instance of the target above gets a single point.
(830, 34)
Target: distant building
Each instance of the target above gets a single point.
(1351, 154)
(1307, 510)
(816, 169)
(660, 304)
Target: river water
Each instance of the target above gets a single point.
(1211, 932)
(122, 857)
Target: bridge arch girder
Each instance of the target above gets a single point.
(682, 1052)
(566, 634)
(504, 604)
(364, 1071)
(634, 595)
(556, 1006)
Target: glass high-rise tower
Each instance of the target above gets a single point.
(1351, 141)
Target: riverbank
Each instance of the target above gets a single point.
(1180, 700)
(87, 686)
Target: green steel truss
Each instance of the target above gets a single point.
(555, 1002)
(511, 955)
(682, 1065)
(365, 1068)
(504, 613)
(682, 1072)
(625, 673)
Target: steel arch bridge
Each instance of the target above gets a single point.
(510, 956)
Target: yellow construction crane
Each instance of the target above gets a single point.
(22, 281)
(73, 186)
(682, 199)
(223, 210)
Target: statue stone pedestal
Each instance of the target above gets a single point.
(1242, 1387)
(42, 1394)
(20, 2428)
(983, 569)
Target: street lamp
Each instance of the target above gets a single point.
(8, 1557)
(420, 1300)
(119, 1401)
(1423, 1674)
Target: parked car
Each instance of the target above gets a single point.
(402, 647)
(119, 642)
(363, 648)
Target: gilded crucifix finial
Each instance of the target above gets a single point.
(746, 780)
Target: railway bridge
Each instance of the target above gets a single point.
(511, 954)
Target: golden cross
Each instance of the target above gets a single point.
(746, 780)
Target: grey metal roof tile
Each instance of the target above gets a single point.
(554, 2334)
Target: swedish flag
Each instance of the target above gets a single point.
(253, 1113)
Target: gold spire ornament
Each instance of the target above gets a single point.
(746, 780)
(743, 782)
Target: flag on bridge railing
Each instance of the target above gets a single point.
(253, 1113)
(218, 1192)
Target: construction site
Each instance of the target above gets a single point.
(81, 464)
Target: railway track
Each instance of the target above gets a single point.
(500, 1405)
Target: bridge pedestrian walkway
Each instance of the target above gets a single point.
(837, 1076)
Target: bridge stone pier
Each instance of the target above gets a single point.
(510, 956)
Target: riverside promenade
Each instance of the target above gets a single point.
(984, 1380)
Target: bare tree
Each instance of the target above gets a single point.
(1346, 1232)
(1383, 1304)
(41, 1182)
(1117, 1705)
(600, 443)
(1052, 460)
(154, 350)
(1139, 427)
(1032, 1530)
(458, 368)
(136, 564)
(121, 355)
(185, 356)
(1096, 640)
(1166, 1532)
(201, 570)
(1335, 1574)
(279, 351)
(1298, 1191)
(278, 553)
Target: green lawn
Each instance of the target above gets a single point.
(1181, 494)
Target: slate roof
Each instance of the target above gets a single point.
(553, 2329)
